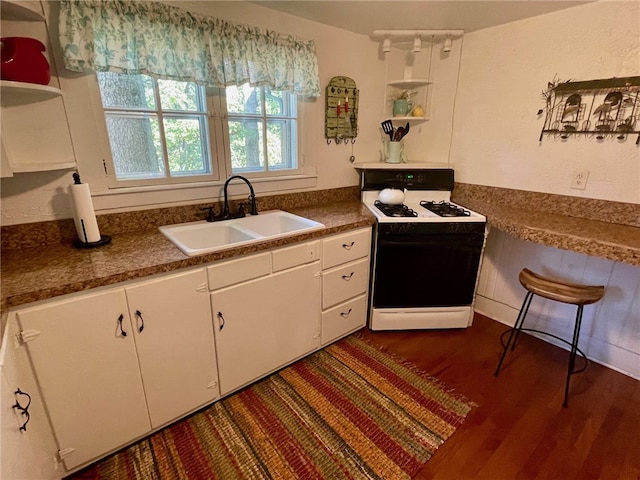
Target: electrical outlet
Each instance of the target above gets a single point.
(579, 179)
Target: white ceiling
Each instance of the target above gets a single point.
(364, 16)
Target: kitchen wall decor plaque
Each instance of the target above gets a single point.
(597, 108)
(341, 110)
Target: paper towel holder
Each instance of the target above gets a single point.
(82, 227)
(104, 240)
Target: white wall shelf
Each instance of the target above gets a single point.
(14, 93)
(408, 84)
(35, 128)
(22, 11)
(407, 70)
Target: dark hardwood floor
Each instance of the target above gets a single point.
(519, 429)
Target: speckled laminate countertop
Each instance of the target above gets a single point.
(39, 261)
(559, 221)
(37, 273)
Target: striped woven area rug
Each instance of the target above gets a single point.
(349, 411)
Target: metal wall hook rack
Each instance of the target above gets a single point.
(596, 108)
(341, 111)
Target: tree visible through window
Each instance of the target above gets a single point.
(262, 129)
(159, 130)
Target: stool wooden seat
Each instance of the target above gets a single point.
(564, 292)
(559, 291)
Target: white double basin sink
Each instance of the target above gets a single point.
(197, 238)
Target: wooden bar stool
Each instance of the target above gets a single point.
(564, 292)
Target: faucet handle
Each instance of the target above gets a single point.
(210, 213)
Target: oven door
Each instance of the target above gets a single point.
(426, 265)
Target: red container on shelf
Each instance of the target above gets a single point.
(22, 60)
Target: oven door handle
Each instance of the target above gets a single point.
(450, 242)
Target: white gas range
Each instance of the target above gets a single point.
(426, 254)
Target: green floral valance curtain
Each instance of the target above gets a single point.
(166, 42)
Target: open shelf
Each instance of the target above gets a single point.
(15, 93)
(12, 10)
(408, 84)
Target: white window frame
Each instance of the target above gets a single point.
(93, 142)
(263, 117)
(218, 143)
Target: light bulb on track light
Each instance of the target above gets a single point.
(448, 44)
(386, 45)
(417, 44)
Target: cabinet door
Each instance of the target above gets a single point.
(266, 323)
(88, 373)
(175, 348)
(28, 447)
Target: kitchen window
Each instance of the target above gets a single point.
(262, 127)
(160, 130)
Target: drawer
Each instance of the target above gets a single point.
(344, 282)
(346, 247)
(343, 319)
(288, 257)
(238, 270)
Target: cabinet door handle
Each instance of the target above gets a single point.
(23, 410)
(220, 320)
(139, 314)
(348, 246)
(348, 277)
(120, 319)
(346, 314)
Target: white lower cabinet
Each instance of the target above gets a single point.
(176, 347)
(345, 283)
(88, 373)
(114, 364)
(26, 440)
(110, 370)
(264, 323)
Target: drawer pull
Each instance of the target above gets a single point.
(348, 277)
(346, 314)
(220, 320)
(348, 246)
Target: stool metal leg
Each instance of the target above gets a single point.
(572, 355)
(515, 331)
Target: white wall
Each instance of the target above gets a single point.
(43, 196)
(505, 69)
(495, 142)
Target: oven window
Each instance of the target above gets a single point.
(435, 270)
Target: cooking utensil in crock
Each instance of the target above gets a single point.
(401, 132)
(387, 127)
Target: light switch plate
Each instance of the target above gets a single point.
(579, 179)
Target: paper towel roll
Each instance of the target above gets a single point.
(85, 217)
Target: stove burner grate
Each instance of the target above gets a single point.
(445, 209)
(394, 210)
